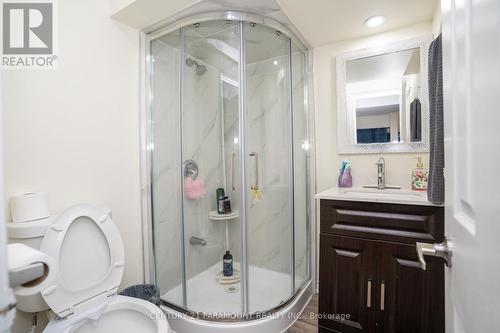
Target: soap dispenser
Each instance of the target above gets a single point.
(419, 176)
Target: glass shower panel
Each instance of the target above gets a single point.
(210, 144)
(268, 167)
(300, 168)
(166, 194)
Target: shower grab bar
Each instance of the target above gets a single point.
(256, 155)
(233, 155)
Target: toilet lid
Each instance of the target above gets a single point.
(89, 259)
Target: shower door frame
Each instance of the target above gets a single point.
(146, 137)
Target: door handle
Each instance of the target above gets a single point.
(256, 155)
(369, 294)
(233, 155)
(382, 296)
(440, 250)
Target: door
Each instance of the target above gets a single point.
(210, 151)
(348, 271)
(471, 53)
(269, 167)
(411, 300)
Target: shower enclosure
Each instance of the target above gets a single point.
(228, 109)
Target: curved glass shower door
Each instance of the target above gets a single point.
(229, 113)
(210, 138)
(269, 169)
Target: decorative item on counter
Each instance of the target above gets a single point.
(345, 178)
(419, 176)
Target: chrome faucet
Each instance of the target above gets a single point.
(381, 185)
(381, 173)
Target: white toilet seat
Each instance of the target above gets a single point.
(123, 314)
(89, 260)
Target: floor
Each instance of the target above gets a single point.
(307, 323)
(267, 289)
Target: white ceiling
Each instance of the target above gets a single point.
(324, 22)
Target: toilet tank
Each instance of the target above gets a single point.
(29, 233)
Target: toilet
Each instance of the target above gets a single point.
(88, 263)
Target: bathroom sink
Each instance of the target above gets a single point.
(375, 195)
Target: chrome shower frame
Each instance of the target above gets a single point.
(147, 147)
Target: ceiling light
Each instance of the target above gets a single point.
(275, 62)
(374, 21)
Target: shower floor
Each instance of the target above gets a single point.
(267, 289)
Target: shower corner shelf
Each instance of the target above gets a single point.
(214, 216)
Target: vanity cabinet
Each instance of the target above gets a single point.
(370, 278)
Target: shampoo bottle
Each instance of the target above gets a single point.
(227, 269)
(419, 177)
(219, 196)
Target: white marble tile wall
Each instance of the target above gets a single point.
(232, 146)
(202, 143)
(166, 196)
(268, 134)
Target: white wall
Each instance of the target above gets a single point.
(327, 159)
(436, 20)
(74, 131)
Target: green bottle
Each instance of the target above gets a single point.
(219, 195)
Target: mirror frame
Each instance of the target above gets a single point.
(344, 147)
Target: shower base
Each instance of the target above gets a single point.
(267, 289)
(278, 321)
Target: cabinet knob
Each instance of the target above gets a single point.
(440, 250)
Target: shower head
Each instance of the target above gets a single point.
(200, 69)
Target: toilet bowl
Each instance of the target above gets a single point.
(123, 314)
(88, 256)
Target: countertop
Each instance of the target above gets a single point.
(395, 196)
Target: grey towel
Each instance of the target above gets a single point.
(435, 190)
(415, 121)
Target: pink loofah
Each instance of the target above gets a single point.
(194, 188)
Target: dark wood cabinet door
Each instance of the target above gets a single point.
(347, 274)
(411, 299)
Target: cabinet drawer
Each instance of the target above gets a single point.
(382, 221)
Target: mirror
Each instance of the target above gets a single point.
(382, 99)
